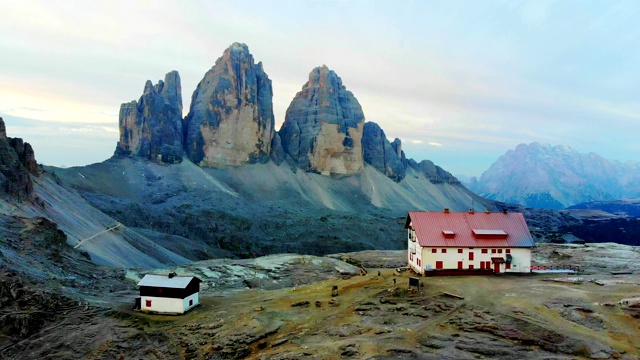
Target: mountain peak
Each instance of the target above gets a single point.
(152, 126)
(231, 122)
(322, 131)
(541, 175)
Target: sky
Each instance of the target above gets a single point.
(460, 82)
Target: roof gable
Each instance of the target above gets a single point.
(470, 229)
(176, 282)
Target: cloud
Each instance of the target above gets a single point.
(433, 143)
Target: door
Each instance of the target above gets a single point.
(439, 265)
(459, 265)
(496, 268)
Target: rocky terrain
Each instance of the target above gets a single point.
(542, 176)
(284, 309)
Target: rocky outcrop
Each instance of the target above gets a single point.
(397, 147)
(380, 153)
(323, 127)
(17, 163)
(434, 173)
(230, 122)
(152, 126)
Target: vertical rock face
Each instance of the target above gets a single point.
(17, 162)
(230, 122)
(381, 154)
(152, 126)
(323, 126)
(397, 147)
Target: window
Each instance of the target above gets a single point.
(159, 290)
(470, 267)
(147, 303)
(484, 251)
(439, 265)
(459, 251)
(487, 264)
(444, 251)
(499, 251)
(459, 265)
(191, 302)
(493, 251)
(508, 251)
(418, 262)
(410, 257)
(481, 264)
(507, 266)
(433, 251)
(471, 256)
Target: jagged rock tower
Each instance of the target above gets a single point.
(322, 131)
(17, 161)
(152, 126)
(381, 154)
(230, 122)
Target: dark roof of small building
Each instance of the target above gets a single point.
(480, 229)
(498, 260)
(177, 282)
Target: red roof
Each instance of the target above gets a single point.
(478, 229)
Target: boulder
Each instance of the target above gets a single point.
(152, 126)
(230, 122)
(323, 126)
(379, 152)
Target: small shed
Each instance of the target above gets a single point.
(168, 294)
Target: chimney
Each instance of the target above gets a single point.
(471, 211)
(172, 274)
(487, 211)
(446, 210)
(504, 211)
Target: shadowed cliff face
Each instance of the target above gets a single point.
(323, 127)
(230, 122)
(381, 154)
(152, 126)
(17, 161)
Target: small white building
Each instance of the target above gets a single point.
(168, 294)
(448, 243)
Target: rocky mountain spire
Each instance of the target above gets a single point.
(381, 154)
(323, 126)
(17, 163)
(152, 126)
(230, 122)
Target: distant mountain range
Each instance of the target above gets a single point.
(554, 177)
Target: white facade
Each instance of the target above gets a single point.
(421, 259)
(168, 305)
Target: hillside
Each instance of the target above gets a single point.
(542, 176)
(261, 208)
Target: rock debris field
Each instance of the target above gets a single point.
(282, 307)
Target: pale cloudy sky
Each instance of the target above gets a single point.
(460, 82)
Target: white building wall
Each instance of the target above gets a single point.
(412, 252)
(162, 305)
(193, 297)
(521, 258)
